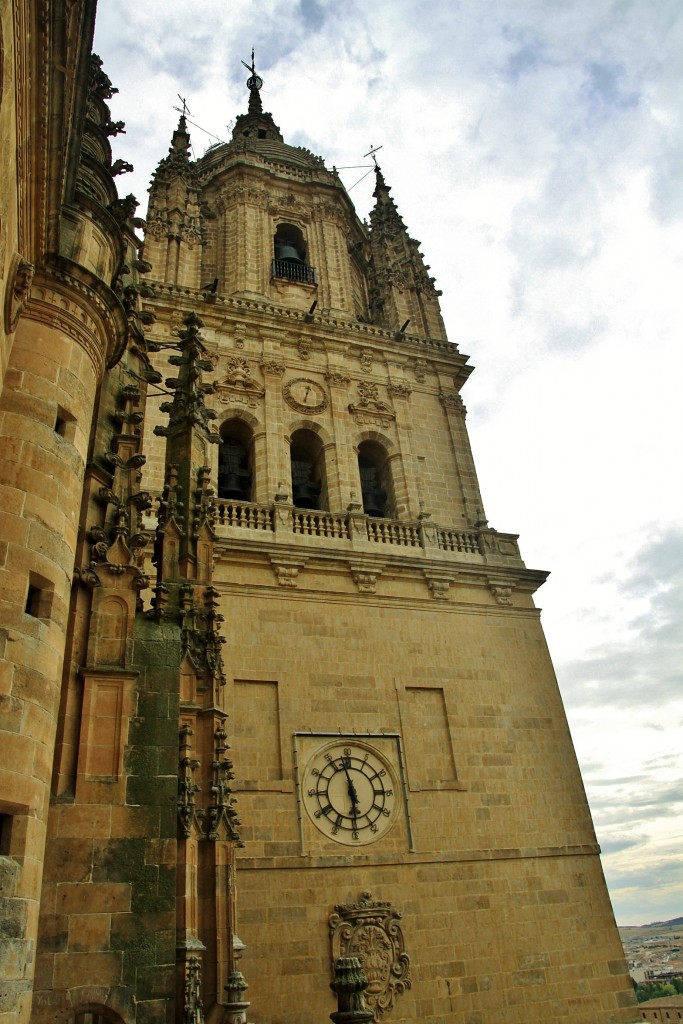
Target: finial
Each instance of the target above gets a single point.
(183, 111)
(254, 85)
(371, 152)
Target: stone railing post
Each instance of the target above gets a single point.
(357, 525)
(427, 531)
(283, 520)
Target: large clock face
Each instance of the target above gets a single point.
(305, 395)
(350, 792)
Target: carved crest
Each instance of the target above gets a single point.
(238, 384)
(370, 408)
(370, 930)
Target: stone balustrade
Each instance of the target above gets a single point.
(281, 520)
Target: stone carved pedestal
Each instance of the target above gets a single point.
(348, 985)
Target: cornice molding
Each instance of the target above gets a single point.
(241, 307)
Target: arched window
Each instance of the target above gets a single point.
(309, 483)
(289, 252)
(95, 1013)
(375, 480)
(235, 461)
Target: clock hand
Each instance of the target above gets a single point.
(352, 791)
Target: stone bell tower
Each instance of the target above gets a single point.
(405, 774)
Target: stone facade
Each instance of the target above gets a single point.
(287, 556)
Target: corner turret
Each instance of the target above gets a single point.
(403, 294)
(174, 236)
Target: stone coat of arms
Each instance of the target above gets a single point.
(370, 930)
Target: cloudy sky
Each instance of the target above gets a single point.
(535, 147)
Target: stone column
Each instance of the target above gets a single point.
(277, 455)
(346, 482)
(455, 411)
(407, 504)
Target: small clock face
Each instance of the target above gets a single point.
(305, 395)
(350, 792)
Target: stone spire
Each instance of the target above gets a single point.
(255, 124)
(186, 605)
(178, 162)
(174, 233)
(404, 296)
(187, 499)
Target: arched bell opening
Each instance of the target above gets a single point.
(376, 481)
(235, 461)
(309, 480)
(290, 255)
(289, 244)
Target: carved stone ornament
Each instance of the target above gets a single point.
(286, 572)
(175, 325)
(420, 370)
(453, 401)
(365, 581)
(399, 390)
(370, 408)
(502, 591)
(274, 367)
(304, 348)
(238, 384)
(366, 359)
(18, 291)
(370, 930)
(338, 380)
(438, 588)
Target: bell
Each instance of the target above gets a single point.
(285, 251)
(375, 502)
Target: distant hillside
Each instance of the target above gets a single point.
(632, 931)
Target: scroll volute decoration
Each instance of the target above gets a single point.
(370, 931)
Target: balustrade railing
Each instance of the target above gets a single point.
(319, 524)
(458, 540)
(354, 527)
(245, 515)
(390, 531)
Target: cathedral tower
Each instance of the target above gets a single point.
(404, 770)
(241, 523)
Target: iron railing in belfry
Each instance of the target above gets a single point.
(294, 271)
